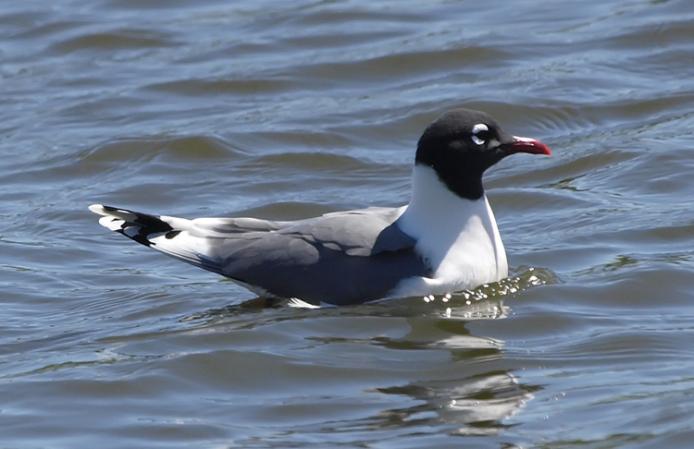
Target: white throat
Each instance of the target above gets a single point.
(458, 237)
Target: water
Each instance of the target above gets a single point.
(295, 109)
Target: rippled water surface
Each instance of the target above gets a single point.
(292, 109)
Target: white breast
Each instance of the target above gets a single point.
(458, 238)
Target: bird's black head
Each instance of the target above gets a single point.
(462, 144)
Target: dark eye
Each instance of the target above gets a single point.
(480, 133)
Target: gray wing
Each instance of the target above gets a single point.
(340, 258)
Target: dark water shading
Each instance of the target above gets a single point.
(288, 110)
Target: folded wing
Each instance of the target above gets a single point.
(339, 258)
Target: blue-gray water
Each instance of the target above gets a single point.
(291, 109)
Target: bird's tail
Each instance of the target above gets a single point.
(138, 226)
(166, 234)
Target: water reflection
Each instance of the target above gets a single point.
(439, 377)
(476, 405)
(475, 402)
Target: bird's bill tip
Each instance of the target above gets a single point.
(528, 145)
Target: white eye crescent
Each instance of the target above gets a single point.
(479, 128)
(477, 140)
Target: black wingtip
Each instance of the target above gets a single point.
(137, 226)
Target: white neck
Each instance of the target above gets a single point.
(458, 237)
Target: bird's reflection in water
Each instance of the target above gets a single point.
(472, 390)
(476, 405)
(479, 395)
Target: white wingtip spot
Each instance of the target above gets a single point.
(114, 224)
(97, 209)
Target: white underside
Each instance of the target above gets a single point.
(458, 238)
